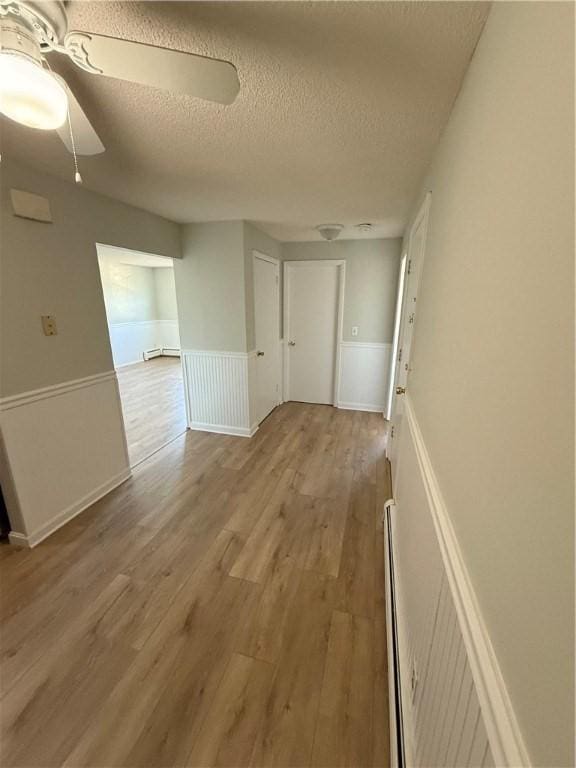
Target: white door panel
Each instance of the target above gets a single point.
(416, 252)
(312, 327)
(267, 334)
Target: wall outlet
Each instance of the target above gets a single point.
(355, 330)
(49, 325)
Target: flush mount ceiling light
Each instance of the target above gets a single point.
(330, 231)
(365, 226)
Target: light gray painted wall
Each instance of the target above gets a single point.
(165, 290)
(129, 291)
(255, 240)
(210, 287)
(371, 282)
(493, 357)
(53, 269)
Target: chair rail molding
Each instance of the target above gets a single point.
(78, 455)
(500, 722)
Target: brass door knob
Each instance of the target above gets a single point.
(400, 390)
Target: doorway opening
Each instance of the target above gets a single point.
(140, 297)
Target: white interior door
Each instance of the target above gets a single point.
(416, 250)
(267, 333)
(312, 327)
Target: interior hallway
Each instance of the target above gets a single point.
(152, 397)
(224, 606)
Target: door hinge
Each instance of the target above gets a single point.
(400, 355)
(392, 432)
(409, 267)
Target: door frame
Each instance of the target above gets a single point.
(299, 264)
(256, 254)
(411, 284)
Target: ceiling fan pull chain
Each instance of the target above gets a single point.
(77, 177)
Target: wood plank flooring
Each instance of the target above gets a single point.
(223, 607)
(152, 398)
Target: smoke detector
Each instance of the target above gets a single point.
(365, 226)
(330, 231)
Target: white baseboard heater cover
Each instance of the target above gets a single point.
(148, 354)
(397, 747)
(171, 351)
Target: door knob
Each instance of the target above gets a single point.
(291, 343)
(400, 390)
(260, 354)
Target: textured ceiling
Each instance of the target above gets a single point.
(341, 104)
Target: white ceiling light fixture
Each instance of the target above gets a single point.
(29, 94)
(365, 226)
(330, 231)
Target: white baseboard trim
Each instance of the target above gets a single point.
(361, 407)
(31, 540)
(502, 728)
(127, 365)
(223, 430)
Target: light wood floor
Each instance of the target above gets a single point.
(223, 607)
(153, 404)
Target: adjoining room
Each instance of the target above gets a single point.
(141, 311)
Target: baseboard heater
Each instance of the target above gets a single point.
(397, 747)
(148, 354)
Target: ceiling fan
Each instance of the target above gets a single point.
(31, 94)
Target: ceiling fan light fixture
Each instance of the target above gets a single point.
(30, 94)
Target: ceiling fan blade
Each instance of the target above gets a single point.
(86, 139)
(175, 71)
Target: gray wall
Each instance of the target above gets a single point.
(493, 357)
(165, 290)
(210, 287)
(129, 291)
(371, 282)
(52, 269)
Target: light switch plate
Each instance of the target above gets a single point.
(49, 325)
(355, 330)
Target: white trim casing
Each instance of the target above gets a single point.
(341, 264)
(217, 391)
(253, 372)
(65, 447)
(499, 720)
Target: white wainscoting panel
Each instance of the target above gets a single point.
(65, 447)
(217, 391)
(129, 340)
(364, 374)
(456, 709)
